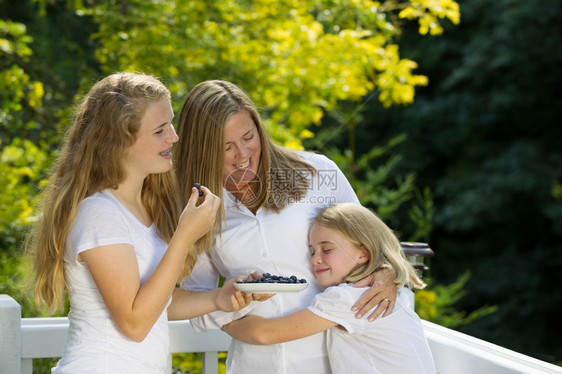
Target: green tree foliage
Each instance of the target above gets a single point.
(19, 94)
(485, 137)
(296, 59)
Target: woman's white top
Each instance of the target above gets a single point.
(94, 343)
(394, 344)
(276, 243)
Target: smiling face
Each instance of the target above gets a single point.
(242, 154)
(333, 257)
(152, 151)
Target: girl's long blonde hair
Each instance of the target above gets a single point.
(199, 157)
(364, 229)
(105, 125)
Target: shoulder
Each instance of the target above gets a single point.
(98, 204)
(334, 304)
(100, 207)
(99, 201)
(338, 297)
(317, 160)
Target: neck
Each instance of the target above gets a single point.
(131, 198)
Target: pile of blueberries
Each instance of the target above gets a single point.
(268, 278)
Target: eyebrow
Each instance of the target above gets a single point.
(243, 135)
(326, 242)
(161, 125)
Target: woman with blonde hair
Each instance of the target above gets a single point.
(347, 243)
(269, 194)
(112, 235)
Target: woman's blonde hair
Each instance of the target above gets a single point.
(364, 229)
(199, 158)
(104, 126)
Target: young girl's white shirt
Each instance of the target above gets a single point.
(94, 343)
(394, 344)
(276, 243)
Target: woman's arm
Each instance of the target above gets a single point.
(264, 331)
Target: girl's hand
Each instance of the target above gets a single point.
(229, 299)
(258, 296)
(382, 295)
(196, 220)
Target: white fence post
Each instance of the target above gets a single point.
(10, 335)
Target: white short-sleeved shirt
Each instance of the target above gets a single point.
(394, 344)
(276, 243)
(94, 343)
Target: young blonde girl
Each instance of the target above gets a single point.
(107, 236)
(347, 243)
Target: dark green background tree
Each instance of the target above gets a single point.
(485, 135)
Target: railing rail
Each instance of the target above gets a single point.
(23, 339)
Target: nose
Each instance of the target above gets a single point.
(316, 259)
(243, 151)
(173, 136)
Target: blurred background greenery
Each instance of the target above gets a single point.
(445, 119)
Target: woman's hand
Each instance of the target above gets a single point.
(382, 295)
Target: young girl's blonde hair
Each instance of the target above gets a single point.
(105, 125)
(364, 229)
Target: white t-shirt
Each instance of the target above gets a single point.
(394, 344)
(276, 243)
(94, 343)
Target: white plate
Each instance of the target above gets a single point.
(270, 287)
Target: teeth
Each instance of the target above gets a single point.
(244, 165)
(167, 153)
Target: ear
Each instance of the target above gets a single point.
(364, 256)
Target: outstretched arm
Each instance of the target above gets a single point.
(188, 304)
(263, 331)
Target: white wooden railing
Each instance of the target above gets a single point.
(23, 339)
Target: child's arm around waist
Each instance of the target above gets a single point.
(263, 331)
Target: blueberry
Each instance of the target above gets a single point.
(198, 186)
(268, 278)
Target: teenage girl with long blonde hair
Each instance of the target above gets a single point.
(112, 234)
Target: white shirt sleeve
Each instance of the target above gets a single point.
(334, 304)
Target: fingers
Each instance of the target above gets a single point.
(389, 308)
(241, 300)
(234, 303)
(255, 275)
(369, 305)
(262, 296)
(193, 197)
(379, 300)
(248, 298)
(361, 305)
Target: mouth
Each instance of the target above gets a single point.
(166, 153)
(320, 271)
(243, 165)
